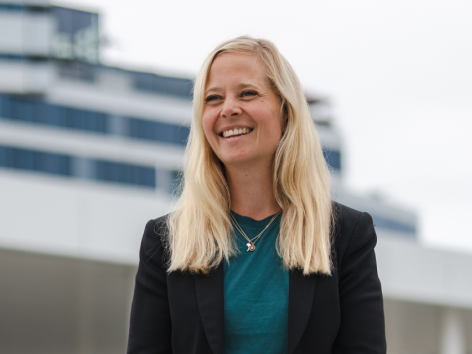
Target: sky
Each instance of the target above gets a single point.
(399, 75)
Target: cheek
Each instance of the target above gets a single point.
(208, 126)
(270, 118)
(274, 129)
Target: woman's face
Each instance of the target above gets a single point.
(241, 116)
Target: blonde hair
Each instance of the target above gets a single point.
(200, 227)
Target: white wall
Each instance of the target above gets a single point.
(83, 219)
(24, 78)
(410, 271)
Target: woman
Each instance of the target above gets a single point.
(256, 258)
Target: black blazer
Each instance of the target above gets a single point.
(341, 313)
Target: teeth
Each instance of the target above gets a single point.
(230, 132)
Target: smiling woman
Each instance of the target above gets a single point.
(240, 98)
(256, 258)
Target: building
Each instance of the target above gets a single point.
(89, 153)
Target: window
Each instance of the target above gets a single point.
(158, 131)
(12, 57)
(333, 158)
(85, 120)
(24, 58)
(39, 161)
(11, 7)
(125, 173)
(32, 110)
(28, 8)
(80, 167)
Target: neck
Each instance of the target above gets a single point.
(252, 192)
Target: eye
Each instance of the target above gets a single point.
(212, 98)
(249, 93)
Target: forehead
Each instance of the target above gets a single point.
(230, 68)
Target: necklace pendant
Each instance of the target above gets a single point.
(250, 247)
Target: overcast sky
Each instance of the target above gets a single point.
(399, 74)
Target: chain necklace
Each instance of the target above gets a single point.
(251, 243)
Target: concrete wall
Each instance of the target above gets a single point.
(56, 305)
(418, 328)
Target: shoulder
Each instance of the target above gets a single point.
(352, 230)
(153, 244)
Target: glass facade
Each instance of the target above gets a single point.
(31, 160)
(157, 131)
(24, 8)
(12, 7)
(26, 109)
(23, 58)
(81, 167)
(30, 109)
(118, 172)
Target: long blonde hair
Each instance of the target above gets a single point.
(200, 227)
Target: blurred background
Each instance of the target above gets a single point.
(95, 107)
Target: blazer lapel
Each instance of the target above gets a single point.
(300, 301)
(210, 297)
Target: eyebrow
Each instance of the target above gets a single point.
(240, 86)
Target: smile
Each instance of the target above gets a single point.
(235, 132)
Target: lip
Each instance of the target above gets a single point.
(234, 138)
(232, 127)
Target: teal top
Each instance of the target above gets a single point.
(256, 293)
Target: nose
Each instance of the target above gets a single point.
(231, 108)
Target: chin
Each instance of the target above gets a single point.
(234, 156)
(237, 160)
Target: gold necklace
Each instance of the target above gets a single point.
(251, 244)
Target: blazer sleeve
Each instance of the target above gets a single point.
(150, 324)
(362, 329)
